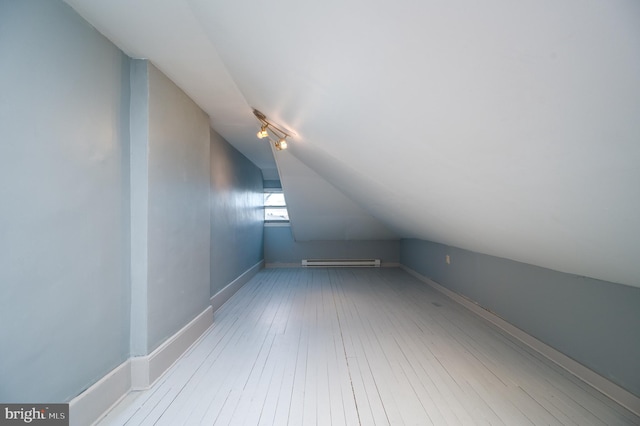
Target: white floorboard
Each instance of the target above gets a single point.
(360, 347)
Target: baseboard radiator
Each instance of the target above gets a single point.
(341, 263)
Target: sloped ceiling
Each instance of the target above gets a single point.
(506, 128)
(320, 211)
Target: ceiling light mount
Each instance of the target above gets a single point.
(272, 131)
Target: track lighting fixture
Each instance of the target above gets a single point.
(274, 132)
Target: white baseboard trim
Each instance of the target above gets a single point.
(230, 289)
(136, 373)
(141, 372)
(146, 370)
(90, 405)
(595, 380)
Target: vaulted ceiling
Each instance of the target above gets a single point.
(506, 128)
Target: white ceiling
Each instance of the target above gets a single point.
(506, 128)
(320, 211)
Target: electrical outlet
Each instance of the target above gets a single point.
(448, 260)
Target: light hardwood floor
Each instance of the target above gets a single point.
(360, 347)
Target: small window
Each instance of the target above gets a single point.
(275, 208)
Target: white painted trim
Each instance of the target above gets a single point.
(277, 224)
(142, 372)
(136, 373)
(229, 290)
(92, 404)
(146, 370)
(600, 383)
(139, 372)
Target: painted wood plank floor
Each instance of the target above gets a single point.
(360, 347)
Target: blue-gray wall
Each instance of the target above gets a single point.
(237, 214)
(597, 323)
(169, 208)
(139, 190)
(104, 162)
(272, 184)
(280, 247)
(64, 239)
(178, 209)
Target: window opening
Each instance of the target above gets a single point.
(275, 207)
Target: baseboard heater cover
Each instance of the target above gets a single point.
(337, 263)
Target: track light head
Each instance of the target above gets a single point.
(263, 132)
(281, 144)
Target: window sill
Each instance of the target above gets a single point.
(277, 224)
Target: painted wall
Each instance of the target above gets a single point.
(178, 221)
(280, 247)
(270, 183)
(64, 304)
(139, 190)
(236, 213)
(594, 322)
